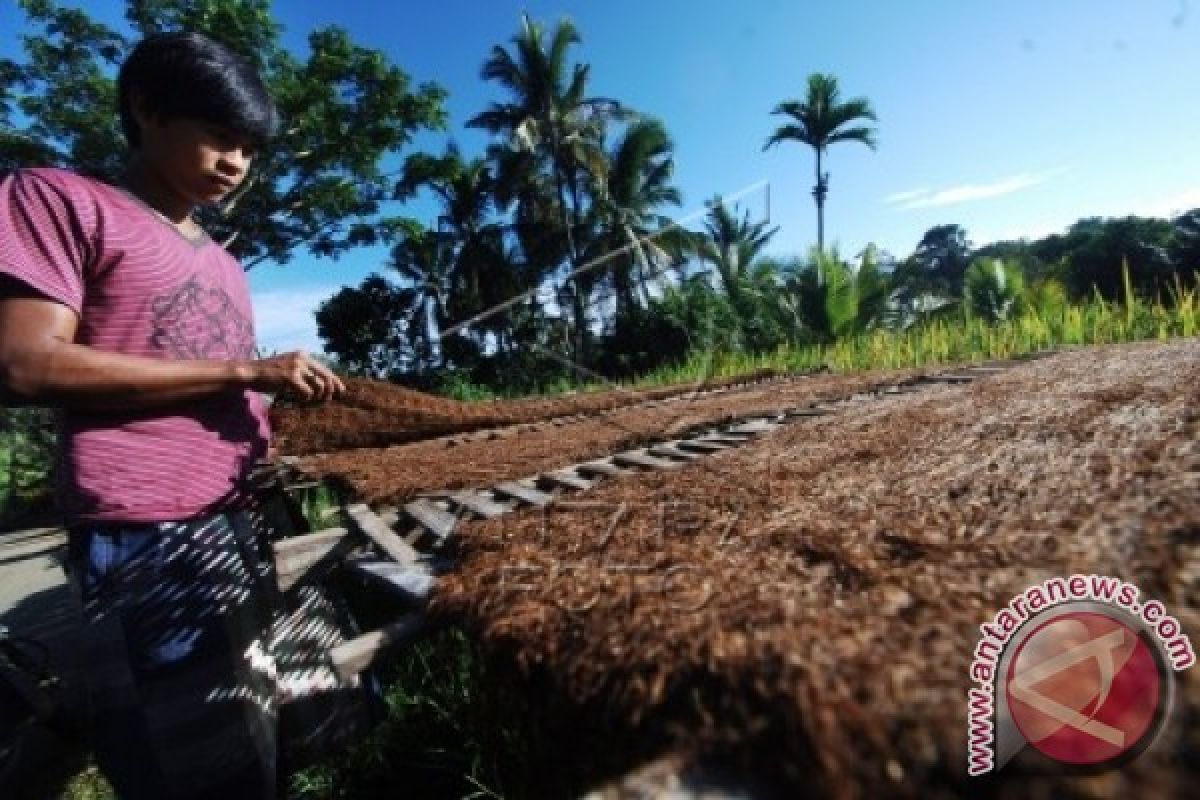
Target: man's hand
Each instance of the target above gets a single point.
(297, 372)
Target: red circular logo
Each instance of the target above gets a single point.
(1085, 688)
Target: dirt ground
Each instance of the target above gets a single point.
(395, 474)
(804, 609)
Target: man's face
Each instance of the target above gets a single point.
(200, 161)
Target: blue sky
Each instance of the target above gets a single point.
(1011, 119)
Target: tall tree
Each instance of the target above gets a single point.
(940, 261)
(484, 274)
(819, 121)
(731, 244)
(549, 119)
(425, 261)
(318, 187)
(1097, 250)
(634, 240)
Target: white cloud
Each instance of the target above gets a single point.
(284, 318)
(901, 197)
(926, 198)
(1171, 206)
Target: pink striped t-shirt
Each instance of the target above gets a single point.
(140, 287)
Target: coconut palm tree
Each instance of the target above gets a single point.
(633, 241)
(731, 244)
(425, 261)
(551, 123)
(483, 275)
(819, 121)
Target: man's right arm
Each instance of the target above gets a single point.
(40, 364)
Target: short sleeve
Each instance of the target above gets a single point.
(43, 240)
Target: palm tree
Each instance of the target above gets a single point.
(830, 298)
(483, 274)
(731, 245)
(550, 121)
(819, 121)
(993, 290)
(634, 240)
(425, 260)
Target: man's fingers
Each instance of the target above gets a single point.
(312, 379)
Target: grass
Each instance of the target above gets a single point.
(963, 339)
(438, 738)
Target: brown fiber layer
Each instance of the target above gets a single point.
(395, 474)
(377, 414)
(804, 609)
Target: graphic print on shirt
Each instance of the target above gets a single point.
(201, 322)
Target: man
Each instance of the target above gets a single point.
(118, 310)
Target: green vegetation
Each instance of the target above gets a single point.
(552, 259)
(960, 338)
(445, 733)
(26, 458)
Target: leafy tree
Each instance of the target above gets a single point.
(938, 264)
(819, 121)
(699, 315)
(1185, 243)
(830, 299)
(26, 460)
(425, 261)
(364, 327)
(1096, 249)
(484, 274)
(318, 187)
(731, 244)
(1024, 254)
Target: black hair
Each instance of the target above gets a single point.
(192, 76)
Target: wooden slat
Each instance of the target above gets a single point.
(479, 503)
(375, 529)
(703, 446)
(670, 450)
(955, 378)
(354, 656)
(309, 541)
(600, 467)
(437, 521)
(526, 494)
(725, 439)
(753, 428)
(640, 458)
(568, 479)
(809, 412)
(412, 583)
